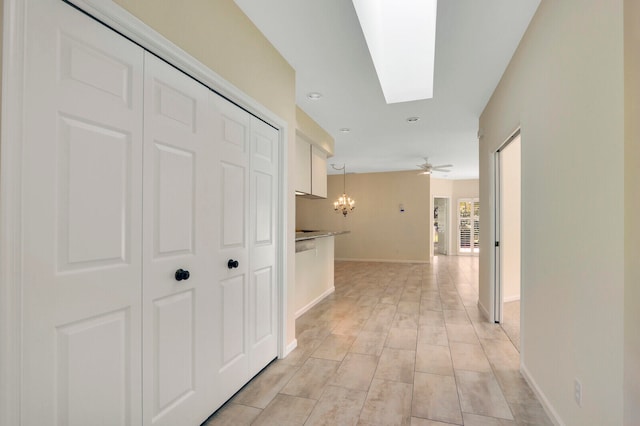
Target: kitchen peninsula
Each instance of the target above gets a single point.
(314, 268)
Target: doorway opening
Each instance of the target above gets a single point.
(441, 234)
(508, 237)
(469, 226)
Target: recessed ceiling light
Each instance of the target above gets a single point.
(395, 34)
(345, 130)
(412, 119)
(314, 96)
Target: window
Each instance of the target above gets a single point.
(469, 225)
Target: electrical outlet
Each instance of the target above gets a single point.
(577, 392)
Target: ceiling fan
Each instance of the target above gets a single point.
(428, 168)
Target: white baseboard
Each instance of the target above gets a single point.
(511, 299)
(314, 302)
(483, 311)
(381, 260)
(551, 412)
(290, 347)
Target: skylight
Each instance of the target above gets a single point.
(401, 35)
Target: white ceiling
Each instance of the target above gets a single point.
(323, 42)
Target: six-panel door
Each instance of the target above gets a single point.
(82, 218)
(132, 171)
(179, 212)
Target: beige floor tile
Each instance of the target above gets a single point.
(409, 306)
(530, 414)
(402, 338)
(501, 354)
(378, 324)
(334, 347)
(285, 410)
(434, 318)
(432, 335)
(486, 330)
(233, 415)
(470, 357)
(260, 391)
(417, 421)
(476, 420)
(456, 317)
(387, 403)
(475, 315)
(462, 333)
(409, 321)
(337, 406)
(302, 352)
(349, 326)
(309, 381)
(356, 371)
(368, 300)
(435, 398)
(430, 304)
(372, 303)
(391, 299)
(511, 322)
(429, 285)
(369, 342)
(384, 312)
(412, 292)
(381, 319)
(452, 304)
(434, 359)
(480, 394)
(396, 365)
(514, 387)
(318, 331)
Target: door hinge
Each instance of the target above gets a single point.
(497, 243)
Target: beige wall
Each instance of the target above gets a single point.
(313, 132)
(379, 231)
(510, 233)
(564, 88)
(631, 213)
(455, 190)
(218, 34)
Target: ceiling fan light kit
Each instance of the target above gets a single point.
(427, 168)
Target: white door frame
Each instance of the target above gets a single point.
(497, 311)
(433, 206)
(11, 283)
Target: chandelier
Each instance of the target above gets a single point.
(345, 204)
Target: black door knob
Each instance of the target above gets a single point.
(182, 274)
(232, 264)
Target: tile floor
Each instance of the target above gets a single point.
(511, 322)
(396, 344)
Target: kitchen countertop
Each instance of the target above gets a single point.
(308, 235)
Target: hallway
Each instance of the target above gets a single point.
(396, 344)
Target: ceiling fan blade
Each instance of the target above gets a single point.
(443, 166)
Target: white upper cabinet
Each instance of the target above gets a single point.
(303, 166)
(311, 169)
(318, 172)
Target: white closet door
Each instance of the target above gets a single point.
(81, 244)
(245, 275)
(263, 338)
(231, 280)
(179, 218)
